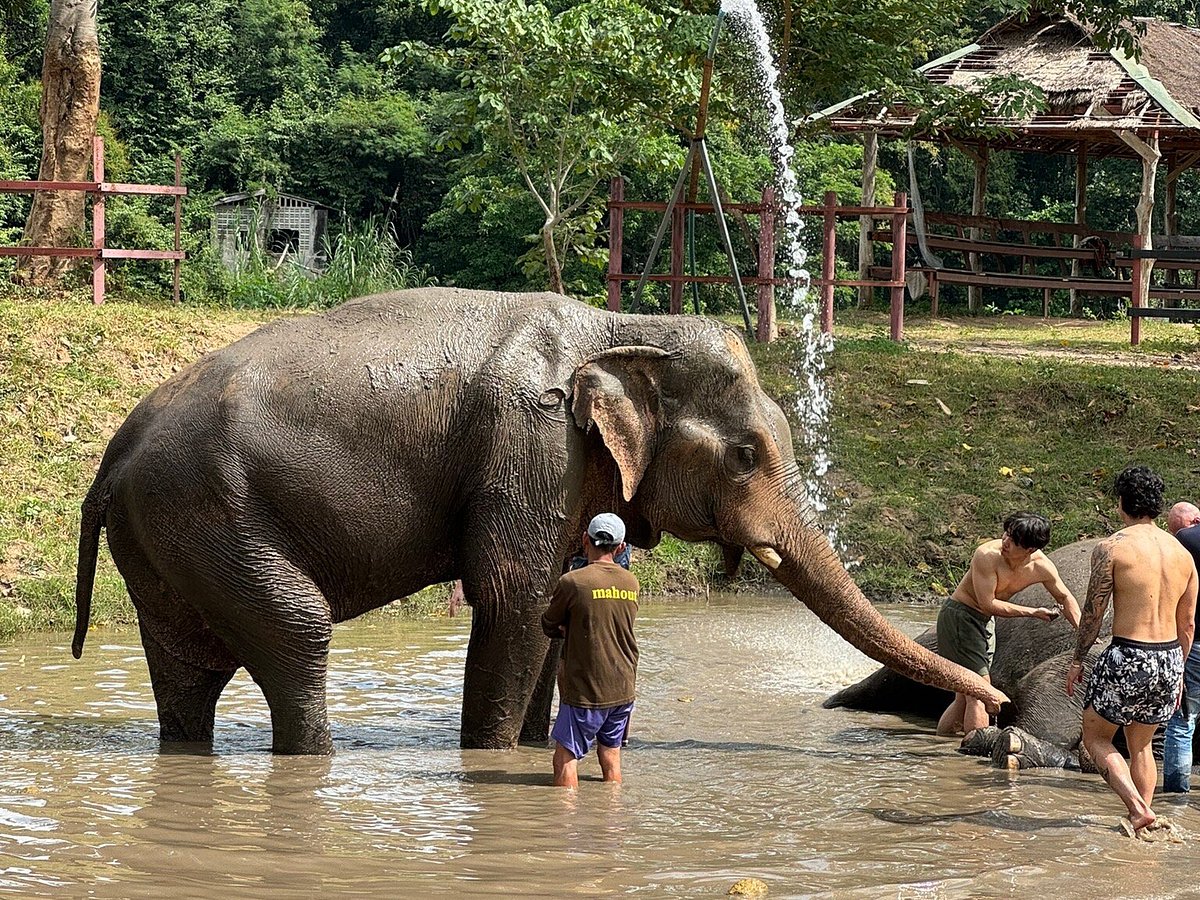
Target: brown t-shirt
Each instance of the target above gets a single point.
(597, 604)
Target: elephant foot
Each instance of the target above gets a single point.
(1015, 749)
(980, 741)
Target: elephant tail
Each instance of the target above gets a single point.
(94, 509)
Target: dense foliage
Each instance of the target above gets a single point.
(479, 137)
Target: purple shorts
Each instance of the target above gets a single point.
(578, 729)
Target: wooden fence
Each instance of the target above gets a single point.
(98, 189)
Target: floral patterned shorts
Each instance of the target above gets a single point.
(1136, 681)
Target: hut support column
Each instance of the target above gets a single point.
(1171, 219)
(1150, 155)
(1081, 169)
(975, 292)
(866, 250)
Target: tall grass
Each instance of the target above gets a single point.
(363, 258)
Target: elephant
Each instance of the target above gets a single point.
(1042, 726)
(326, 465)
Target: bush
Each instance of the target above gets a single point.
(364, 258)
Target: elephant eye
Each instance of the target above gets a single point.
(741, 460)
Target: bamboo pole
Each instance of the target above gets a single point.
(1081, 169)
(98, 220)
(828, 261)
(616, 220)
(899, 248)
(866, 251)
(978, 195)
(767, 330)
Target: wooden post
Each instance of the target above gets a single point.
(178, 216)
(828, 260)
(1171, 220)
(978, 194)
(677, 235)
(1145, 211)
(1081, 168)
(98, 220)
(899, 247)
(1137, 295)
(866, 250)
(616, 219)
(767, 330)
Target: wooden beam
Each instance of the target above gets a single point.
(866, 253)
(978, 195)
(1182, 163)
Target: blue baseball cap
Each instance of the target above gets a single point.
(606, 529)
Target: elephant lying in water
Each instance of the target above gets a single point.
(1042, 726)
(326, 465)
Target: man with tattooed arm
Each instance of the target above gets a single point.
(1136, 682)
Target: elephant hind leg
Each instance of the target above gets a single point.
(186, 695)
(278, 625)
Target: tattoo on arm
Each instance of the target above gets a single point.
(1099, 593)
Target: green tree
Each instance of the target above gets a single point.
(566, 99)
(277, 52)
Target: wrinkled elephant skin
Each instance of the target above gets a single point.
(327, 465)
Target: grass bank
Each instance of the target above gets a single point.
(69, 375)
(936, 440)
(1040, 420)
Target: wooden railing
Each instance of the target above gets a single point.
(99, 190)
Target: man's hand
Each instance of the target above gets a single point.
(1046, 615)
(1074, 677)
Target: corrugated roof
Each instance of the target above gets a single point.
(243, 196)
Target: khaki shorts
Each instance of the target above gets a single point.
(966, 637)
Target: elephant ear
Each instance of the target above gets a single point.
(618, 392)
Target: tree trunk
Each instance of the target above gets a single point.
(70, 107)
(553, 268)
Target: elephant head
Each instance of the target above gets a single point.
(703, 453)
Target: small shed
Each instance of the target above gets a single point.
(284, 225)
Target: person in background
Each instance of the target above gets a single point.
(1183, 521)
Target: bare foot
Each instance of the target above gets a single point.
(1132, 826)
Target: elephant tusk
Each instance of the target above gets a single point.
(768, 556)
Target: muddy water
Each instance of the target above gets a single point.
(733, 770)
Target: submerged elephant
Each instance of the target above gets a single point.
(1042, 726)
(326, 465)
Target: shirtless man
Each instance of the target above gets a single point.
(1137, 681)
(999, 569)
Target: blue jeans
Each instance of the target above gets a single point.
(1177, 745)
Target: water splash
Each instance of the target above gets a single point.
(814, 347)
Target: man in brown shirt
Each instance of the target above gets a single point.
(594, 609)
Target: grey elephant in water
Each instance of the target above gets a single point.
(1042, 726)
(327, 465)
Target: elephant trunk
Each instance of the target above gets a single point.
(807, 566)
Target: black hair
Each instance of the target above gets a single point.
(605, 546)
(1028, 530)
(1141, 491)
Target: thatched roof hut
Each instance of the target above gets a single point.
(1098, 103)
(1091, 94)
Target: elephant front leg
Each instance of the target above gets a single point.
(536, 729)
(504, 659)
